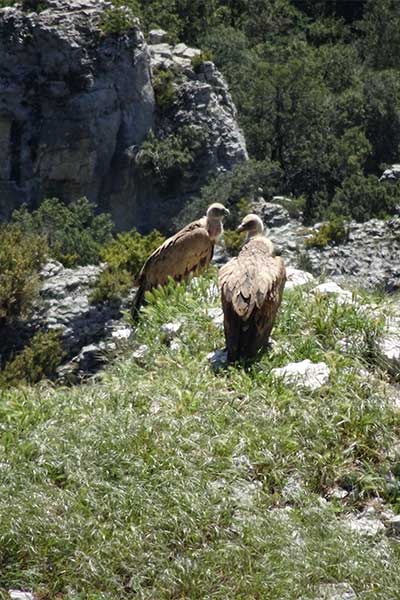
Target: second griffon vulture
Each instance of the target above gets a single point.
(251, 291)
(188, 251)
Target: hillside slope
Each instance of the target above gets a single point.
(165, 479)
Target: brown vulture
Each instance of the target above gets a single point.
(188, 251)
(251, 291)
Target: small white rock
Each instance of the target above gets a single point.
(163, 50)
(17, 595)
(365, 525)
(330, 288)
(217, 316)
(123, 333)
(175, 345)
(338, 493)
(170, 330)
(393, 526)
(186, 52)
(390, 348)
(304, 374)
(336, 591)
(157, 36)
(296, 278)
(141, 352)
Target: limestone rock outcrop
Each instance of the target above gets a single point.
(76, 104)
(369, 257)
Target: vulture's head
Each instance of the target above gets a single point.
(217, 211)
(252, 224)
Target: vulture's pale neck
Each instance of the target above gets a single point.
(255, 233)
(214, 227)
(269, 247)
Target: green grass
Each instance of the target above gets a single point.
(163, 479)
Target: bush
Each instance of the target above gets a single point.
(27, 5)
(121, 17)
(129, 250)
(39, 359)
(164, 89)
(233, 241)
(111, 286)
(236, 190)
(34, 5)
(125, 255)
(168, 161)
(197, 61)
(334, 232)
(21, 256)
(74, 233)
(363, 198)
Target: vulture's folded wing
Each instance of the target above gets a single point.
(187, 251)
(251, 279)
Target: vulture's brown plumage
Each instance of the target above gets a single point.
(188, 251)
(251, 292)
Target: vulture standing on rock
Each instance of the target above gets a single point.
(188, 251)
(251, 292)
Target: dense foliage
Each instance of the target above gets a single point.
(124, 256)
(331, 232)
(21, 256)
(40, 358)
(74, 232)
(316, 84)
(170, 161)
(317, 87)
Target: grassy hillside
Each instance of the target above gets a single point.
(163, 479)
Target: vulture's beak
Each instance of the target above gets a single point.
(227, 211)
(240, 228)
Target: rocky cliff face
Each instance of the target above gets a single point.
(76, 105)
(369, 258)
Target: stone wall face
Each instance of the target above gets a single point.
(75, 106)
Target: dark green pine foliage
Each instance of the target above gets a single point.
(74, 232)
(317, 87)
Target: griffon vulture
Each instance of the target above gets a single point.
(251, 291)
(188, 251)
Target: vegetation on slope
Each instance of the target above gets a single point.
(164, 479)
(74, 233)
(317, 89)
(21, 256)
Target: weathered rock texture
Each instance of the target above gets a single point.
(369, 258)
(76, 104)
(88, 331)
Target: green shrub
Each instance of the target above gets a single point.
(198, 61)
(34, 5)
(129, 250)
(121, 17)
(334, 232)
(236, 190)
(233, 241)
(21, 256)
(74, 233)
(164, 89)
(169, 161)
(363, 198)
(125, 256)
(27, 5)
(111, 286)
(39, 359)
